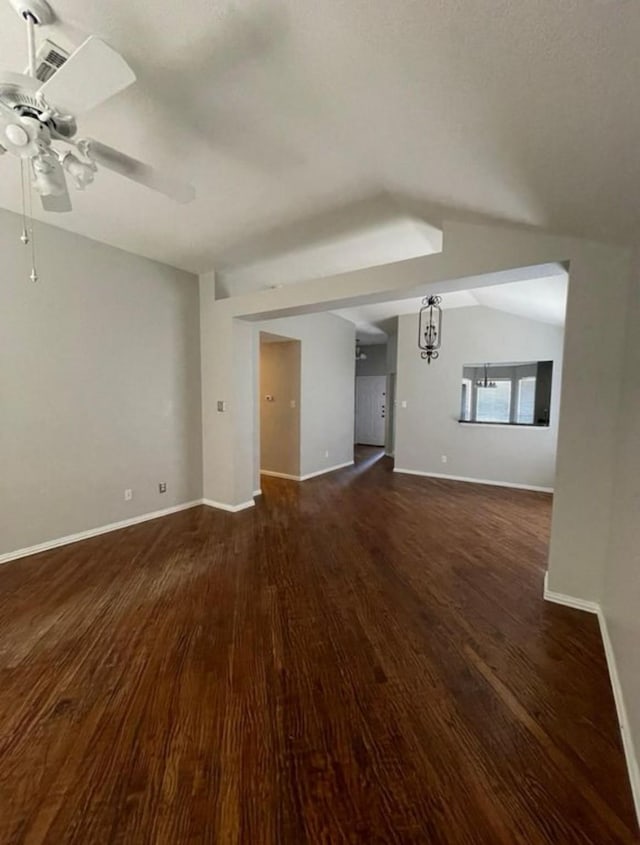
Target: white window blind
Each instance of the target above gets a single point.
(526, 400)
(493, 404)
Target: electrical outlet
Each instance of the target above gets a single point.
(162, 487)
(128, 494)
(403, 404)
(444, 459)
(326, 453)
(222, 406)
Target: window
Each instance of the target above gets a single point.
(493, 404)
(507, 394)
(526, 400)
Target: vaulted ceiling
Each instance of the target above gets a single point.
(542, 299)
(282, 111)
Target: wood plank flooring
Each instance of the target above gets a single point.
(362, 658)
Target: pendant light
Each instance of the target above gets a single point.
(430, 328)
(485, 381)
(360, 355)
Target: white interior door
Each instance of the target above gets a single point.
(370, 409)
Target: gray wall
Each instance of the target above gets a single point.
(99, 385)
(428, 427)
(375, 364)
(621, 588)
(327, 385)
(392, 405)
(280, 413)
(392, 349)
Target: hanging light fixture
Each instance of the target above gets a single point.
(485, 381)
(430, 327)
(360, 355)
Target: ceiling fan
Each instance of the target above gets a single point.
(36, 114)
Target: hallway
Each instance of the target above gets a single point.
(364, 657)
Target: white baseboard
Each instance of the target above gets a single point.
(280, 475)
(623, 720)
(325, 471)
(308, 475)
(257, 493)
(221, 506)
(95, 532)
(116, 526)
(486, 481)
(568, 601)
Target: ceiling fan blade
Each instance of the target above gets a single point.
(59, 204)
(90, 76)
(137, 171)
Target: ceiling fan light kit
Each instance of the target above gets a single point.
(39, 11)
(37, 112)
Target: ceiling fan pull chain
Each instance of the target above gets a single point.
(32, 240)
(24, 237)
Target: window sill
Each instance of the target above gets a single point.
(527, 426)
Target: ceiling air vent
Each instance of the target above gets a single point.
(49, 59)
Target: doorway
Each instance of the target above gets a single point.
(371, 405)
(279, 405)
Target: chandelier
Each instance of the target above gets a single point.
(485, 382)
(430, 328)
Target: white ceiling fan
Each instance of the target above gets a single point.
(36, 114)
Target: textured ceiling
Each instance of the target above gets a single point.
(281, 111)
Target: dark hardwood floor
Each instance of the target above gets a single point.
(362, 658)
